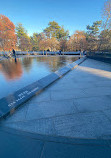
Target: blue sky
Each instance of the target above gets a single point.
(35, 14)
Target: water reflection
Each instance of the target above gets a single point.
(14, 70)
(11, 69)
(56, 62)
(27, 63)
(27, 70)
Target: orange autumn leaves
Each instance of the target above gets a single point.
(77, 41)
(8, 37)
(51, 44)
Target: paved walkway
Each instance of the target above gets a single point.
(78, 105)
(70, 119)
(25, 145)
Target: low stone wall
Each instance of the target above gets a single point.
(40, 53)
(11, 102)
(102, 56)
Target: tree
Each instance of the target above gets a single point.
(105, 40)
(63, 45)
(107, 15)
(49, 44)
(35, 40)
(53, 44)
(43, 45)
(62, 34)
(54, 30)
(24, 42)
(77, 41)
(94, 29)
(7, 34)
(92, 36)
(20, 31)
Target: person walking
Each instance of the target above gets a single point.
(60, 52)
(14, 54)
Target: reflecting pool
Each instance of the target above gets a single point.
(16, 75)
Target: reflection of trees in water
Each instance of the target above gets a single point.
(55, 62)
(52, 62)
(10, 69)
(69, 59)
(27, 63)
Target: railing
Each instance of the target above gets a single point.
(103, 56)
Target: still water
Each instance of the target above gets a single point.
(26, 70)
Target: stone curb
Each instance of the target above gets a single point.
(9, 104)
(57, 139)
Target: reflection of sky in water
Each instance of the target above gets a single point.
(14, 76)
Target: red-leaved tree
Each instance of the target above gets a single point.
(8, 37)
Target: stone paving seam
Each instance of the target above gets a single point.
(25, 121)
(80, 144)
(27, 110)
(76, 105)
(42, 150)
(48, 101)
(54, 127)
(83, 89)
(72, 114)
(60, 139)
(66, 99)
(76, 97)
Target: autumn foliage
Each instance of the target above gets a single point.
(7, 34)
(51, 44)
(77, 41)
(54, 37)
(11, 70)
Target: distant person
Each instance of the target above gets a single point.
(13, 52)
(48, 50)
(14, 55)
(84, 52)
(81, 53)
(60, 52)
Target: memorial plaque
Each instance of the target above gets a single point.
(12, 101)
